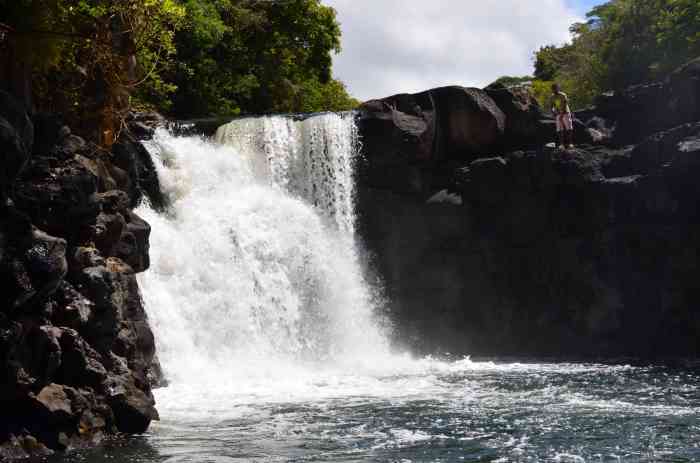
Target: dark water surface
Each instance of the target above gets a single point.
(429, 411)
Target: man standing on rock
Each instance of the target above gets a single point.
(562, 113)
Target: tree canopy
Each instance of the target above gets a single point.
(252, 56)
(622, 43)
(94, 59)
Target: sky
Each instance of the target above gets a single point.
(405, 46)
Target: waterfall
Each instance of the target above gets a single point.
(255, 268)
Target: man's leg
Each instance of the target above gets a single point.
(569, 127)
(562, 139)
(560, 131)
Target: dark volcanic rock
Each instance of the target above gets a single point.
(546, 255)
(403, 131)
(590, 251)
(642, 110)
(133, 158)
(526, 124)
(76, 350)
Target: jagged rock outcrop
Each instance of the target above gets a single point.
(639, 111)
(530, 250)
(444, 124)
(76, 350)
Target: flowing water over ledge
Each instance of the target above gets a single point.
(268, 333)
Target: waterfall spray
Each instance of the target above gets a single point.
(254, 266)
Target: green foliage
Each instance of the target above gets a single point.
(82, 52)
(624, 42)
(542, 91)
(187, 57)
(245, 56)
(331, 96)
(513, 81)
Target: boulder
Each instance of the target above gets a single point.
(142, 125)
(133, 408)
(32, 268)
(53, 402)
(107, 232)
(525, 125)
(470, 124)
(133, 245)
(23, 447)
(403, 132)
(643, 110)
(59, 197)
(81, 365)
(131, 156)
(72, 309)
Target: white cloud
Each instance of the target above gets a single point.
(397, 46)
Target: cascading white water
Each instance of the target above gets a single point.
(254, 265)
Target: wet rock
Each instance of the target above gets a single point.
(131, 156)
(525, 121)
(46, 265)
(32, 266)
(22, 448)
(143, 124)
(113, 201)
(53, 402)
(73, 310)
(107, 231)
(133, 409)
(133, 245)
(81, 365)
(86, 256)
(640, 111)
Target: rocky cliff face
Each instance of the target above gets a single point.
(496, 244)
(76, 351)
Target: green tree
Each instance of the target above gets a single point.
(624, 42)
(87, 56)
(245, 56)
(513, 81)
